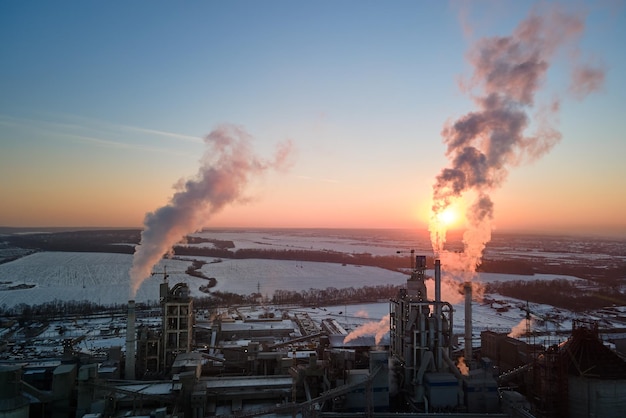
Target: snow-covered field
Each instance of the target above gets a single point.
(97, 277)
(243, 276)
(103, 278)
(382, 242)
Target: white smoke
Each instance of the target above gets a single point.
(484, 144)
(522, 327)
(226, 167)
(377, 329)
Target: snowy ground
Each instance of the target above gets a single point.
(382, 242)
(103, 278)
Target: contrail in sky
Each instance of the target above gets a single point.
(225, 169)
(485, 143)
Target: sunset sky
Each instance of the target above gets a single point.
(104, 107)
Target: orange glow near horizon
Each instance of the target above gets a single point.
(49, 204)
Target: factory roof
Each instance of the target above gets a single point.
(160, 388)
(285, 324)
(585, 355)
(247, 382)
(188, 359)
(64, 368)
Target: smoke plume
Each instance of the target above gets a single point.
(378, 329)
(519, 330)
(485, 143)
(226, 167)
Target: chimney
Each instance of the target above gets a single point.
(437, 281)
(439, 325)
(130, 342)
(467, 287)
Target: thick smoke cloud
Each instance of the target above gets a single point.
(484, 144)
(226, 167)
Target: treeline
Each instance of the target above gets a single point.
(58, 309)
(224, 299)
(559, 293)
(103, 241)
(363, 259)
(334, 296)
(218, 243)
(310, 297)
(194, 270)
(108, 241)
(609, 275)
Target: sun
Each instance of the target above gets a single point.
(447, 217)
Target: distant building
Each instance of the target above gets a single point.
(157, 349)
(506, 353)
(177, 321)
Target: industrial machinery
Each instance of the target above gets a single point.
(420, 343)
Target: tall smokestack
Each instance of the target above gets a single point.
(130, 341)
(437, 280)
(439, 358)
(468, 321)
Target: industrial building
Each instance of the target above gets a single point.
(289, 364)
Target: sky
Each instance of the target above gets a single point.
(105, 107)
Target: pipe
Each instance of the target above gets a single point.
(455, 370)
(129, 371)
(437, 280)
(439, 324)
(468, 321)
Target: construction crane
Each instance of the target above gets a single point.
(528, 319)
(165, 273)
(544, 318)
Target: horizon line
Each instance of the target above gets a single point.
(615, 234)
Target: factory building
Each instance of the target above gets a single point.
(507, 353)
(178, 317)
(151, 352)
(421, 351)
(580, 377)
(12, 402)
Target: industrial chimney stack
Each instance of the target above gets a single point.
(131, 336)
(439, 326)
(437, 282)
(467, 287)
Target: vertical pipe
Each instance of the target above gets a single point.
(130, 342)
(468, 321)
(438, 358)
(437, 281)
